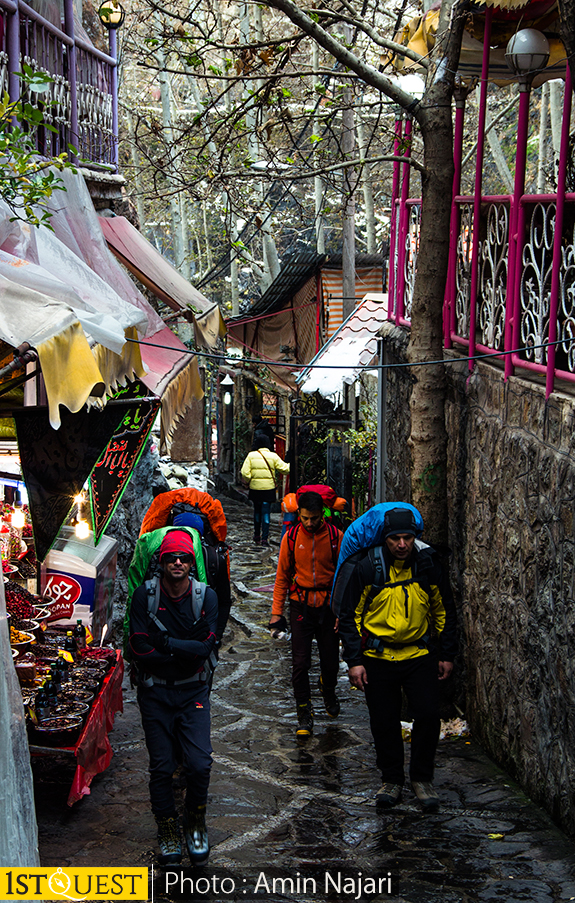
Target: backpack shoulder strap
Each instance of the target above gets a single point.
(153, 592)
(377, 562)
(198, 595)
(333, 538)
(291, 538)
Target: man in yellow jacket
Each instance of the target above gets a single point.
(306, 566)
(398, 629)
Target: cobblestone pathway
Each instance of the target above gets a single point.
(296, 821)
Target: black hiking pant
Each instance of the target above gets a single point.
(176, 722)
(306, 623)
(385, 680)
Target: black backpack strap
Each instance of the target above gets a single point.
(153, 591)
(377, 561)
(198, 596)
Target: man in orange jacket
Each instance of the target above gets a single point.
(306, 567)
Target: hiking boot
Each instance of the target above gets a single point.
(426, 794)
(304, 719)
(196, 835)
(388, 795)
(256, 540)
(264, 542)
(330, 700)
(169, 841)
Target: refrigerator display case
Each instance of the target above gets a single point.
(79, 577)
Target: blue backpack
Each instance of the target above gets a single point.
(364, 533)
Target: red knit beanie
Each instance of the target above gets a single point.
(177, 541)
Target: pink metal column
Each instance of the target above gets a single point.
(391, 283)
(403, 222)
(460, 95)
(513, 300)
(13, 50)
(558, 235)
(479, 183)
(74, 137)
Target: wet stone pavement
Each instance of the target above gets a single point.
(296, 821)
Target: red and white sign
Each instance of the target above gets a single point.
(65, 591)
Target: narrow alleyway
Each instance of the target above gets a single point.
(280, 809)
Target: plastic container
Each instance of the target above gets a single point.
(63, 730)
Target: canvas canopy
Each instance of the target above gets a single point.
(62, 292)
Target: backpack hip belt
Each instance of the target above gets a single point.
(303, 592)
(370, 641)
(150, 680)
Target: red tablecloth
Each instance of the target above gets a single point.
(93, 751)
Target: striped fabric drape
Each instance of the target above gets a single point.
(367, 279)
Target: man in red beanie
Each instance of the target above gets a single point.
(172, 633)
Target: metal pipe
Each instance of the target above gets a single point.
(114, 55)
(13, 51)
(558, 235)
(479, 180)
(74, 137)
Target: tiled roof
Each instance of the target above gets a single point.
(353, 346)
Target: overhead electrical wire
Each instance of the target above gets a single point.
(229, 361)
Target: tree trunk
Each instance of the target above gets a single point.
(318, 182)
(348, 190)
(567, 11)
(367, 189)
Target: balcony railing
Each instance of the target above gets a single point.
(528, 314)
(81, 101)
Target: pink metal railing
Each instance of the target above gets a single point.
(510, 287)
(81, 101)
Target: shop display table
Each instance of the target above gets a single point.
(92, 750)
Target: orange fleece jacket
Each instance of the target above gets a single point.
(313, 567)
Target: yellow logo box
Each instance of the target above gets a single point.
(73, 884)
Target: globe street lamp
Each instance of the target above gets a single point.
(526, 54)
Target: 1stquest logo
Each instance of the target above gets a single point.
(74, 884)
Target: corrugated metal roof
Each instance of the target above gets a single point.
(354, 344)
(294, 273)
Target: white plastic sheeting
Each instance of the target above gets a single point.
(18, 830)
(349, 350)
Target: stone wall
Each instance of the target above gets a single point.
(511, 485)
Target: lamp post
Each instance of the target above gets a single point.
(112, 14)
(227, 456)
(527, 53)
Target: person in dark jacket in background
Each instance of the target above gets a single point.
(398, 630)
(170, 650)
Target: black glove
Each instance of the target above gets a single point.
(162, 643)
(200, 631)
(278, 628)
